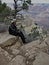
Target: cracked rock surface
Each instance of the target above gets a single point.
(14, 52)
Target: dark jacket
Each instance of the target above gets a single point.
(12, 29)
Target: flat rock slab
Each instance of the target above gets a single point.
(6, 39)
(41, 59)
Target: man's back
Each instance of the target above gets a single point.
(12, 28)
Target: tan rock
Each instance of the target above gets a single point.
(16, 45)
(7, 39)
(29, 49)
(15, 52)
(31, 45)
(18, 60)
(41, 59)
(4, 57)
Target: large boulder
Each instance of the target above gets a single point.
(6, 39)
(31, 50)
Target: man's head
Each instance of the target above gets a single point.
(13, 21)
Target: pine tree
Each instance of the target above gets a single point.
(24, 6)
(28, 1)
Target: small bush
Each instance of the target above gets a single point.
(25, 6)
(35, 34)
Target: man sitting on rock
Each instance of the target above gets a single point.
(14, 31)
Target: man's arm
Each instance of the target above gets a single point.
(12, 28)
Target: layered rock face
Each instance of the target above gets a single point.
(14, 52)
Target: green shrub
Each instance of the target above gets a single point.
(35, 34)
(25, 6)
(28, 1)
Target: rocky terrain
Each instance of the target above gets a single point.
(36, 52)
(14, 52)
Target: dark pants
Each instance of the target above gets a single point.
(20, 34)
